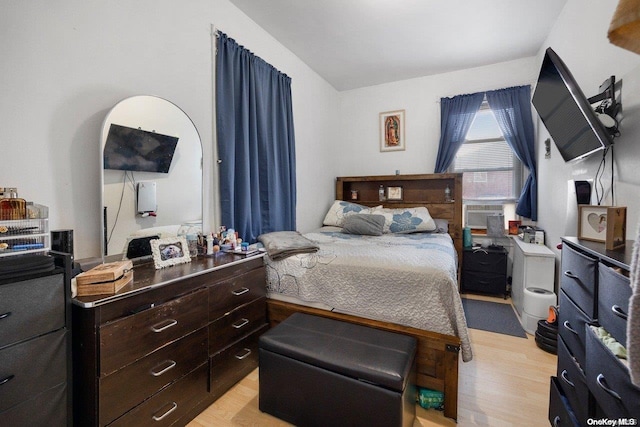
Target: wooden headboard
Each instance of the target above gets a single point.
(417, 190)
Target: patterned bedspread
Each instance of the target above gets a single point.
(409, 279)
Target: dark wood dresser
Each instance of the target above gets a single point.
(591, 382)
(169, 344)
(35, 348)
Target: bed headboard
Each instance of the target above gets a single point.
(416, 190)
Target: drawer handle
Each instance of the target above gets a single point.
(568, 327)
(172, 364)
(245, 355)
(556, 421)
(5, 315)
(602, 383)
(617, 310)
(242, 322)
(565, 377)
(170, 323)
(570, 275)
(6, 379)
(174, 406)
(240, 291)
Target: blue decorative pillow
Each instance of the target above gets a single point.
(340, 210)
(409, 220)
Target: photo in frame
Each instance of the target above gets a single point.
(170, 251)
(392, 131)
(394, 193)
(606, 224)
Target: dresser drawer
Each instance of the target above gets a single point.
(571, 327)
(32, 367)
(487, 261)
(132, 384)
(30, 308)
(484, 282)
(128, 339)
(609, 382)
(48, 408)
(614, 292)
(560, 413)
(239, 290)
(166, 407)
(234, 363)
(236, 324)
(573, 382)
(578, 279)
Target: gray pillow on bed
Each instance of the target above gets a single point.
(364, 224)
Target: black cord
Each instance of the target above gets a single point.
(598, 180)
(124, 184)
(613, 198)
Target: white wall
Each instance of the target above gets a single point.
(65, 63)
(420, 98)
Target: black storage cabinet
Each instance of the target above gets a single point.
(484, 270)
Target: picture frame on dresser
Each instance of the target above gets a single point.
(169, 251)
(605, 224)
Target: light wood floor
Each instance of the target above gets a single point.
(506, 384)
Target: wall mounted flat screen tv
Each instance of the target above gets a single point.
(566, 111)
(133, 149)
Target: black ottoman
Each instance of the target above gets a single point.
(316, 371)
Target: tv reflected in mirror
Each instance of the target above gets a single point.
(138, 150)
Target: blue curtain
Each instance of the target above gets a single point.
(456, 116)
(256, 143)
(512, 108)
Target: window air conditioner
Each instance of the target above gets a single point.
(476, 215)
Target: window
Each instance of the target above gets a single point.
(491, 171)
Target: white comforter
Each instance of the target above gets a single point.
(409, 279)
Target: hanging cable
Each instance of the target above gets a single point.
(613, 198)
(597, 181)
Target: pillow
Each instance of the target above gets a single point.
(442, 225)
(364, 224)
(340, 210)
(408, 220)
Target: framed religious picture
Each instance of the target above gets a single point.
(392, 131)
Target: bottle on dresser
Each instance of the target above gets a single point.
(11, 206)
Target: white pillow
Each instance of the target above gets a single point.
(406, 220)
(341, 209)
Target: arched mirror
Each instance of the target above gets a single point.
(151, 161)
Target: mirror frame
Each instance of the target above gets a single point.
(156, 122)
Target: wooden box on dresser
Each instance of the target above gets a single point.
(592, 383)
(169, 344)
(35, 348)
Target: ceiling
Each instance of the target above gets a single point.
(358, 43)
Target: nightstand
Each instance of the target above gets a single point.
(484, 270)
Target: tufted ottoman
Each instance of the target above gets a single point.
(316, 371)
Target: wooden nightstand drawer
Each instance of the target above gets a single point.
(244, 288)
(128, 339)
(132, 384)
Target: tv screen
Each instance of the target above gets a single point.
(133, 149)
(566, 112)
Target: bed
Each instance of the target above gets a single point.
(403, 282)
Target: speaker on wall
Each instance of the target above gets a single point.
(583, 192)
(62, 241)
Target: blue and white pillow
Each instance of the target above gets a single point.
(408, 220)
(340, 210)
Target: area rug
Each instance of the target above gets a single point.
(492, 317)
